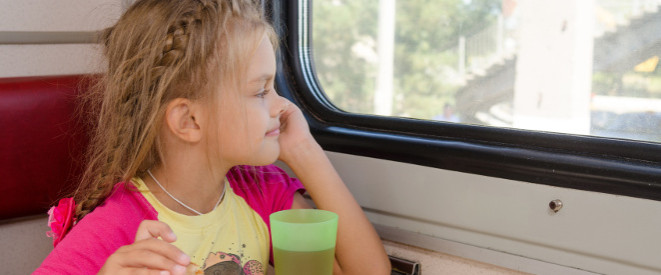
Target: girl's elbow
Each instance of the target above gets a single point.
(384, 267)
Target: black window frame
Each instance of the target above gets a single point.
(607, 165)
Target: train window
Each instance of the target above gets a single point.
(544, 93)
(582, 67)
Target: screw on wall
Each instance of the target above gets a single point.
(555, 205)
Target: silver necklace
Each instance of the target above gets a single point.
(183, 204)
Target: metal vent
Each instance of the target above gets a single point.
(404, 267)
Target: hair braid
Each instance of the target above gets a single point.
(138, 82)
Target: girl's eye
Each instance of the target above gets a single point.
(262, 93)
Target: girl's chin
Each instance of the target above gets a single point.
(267, 158)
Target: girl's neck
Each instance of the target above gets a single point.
(198, 187)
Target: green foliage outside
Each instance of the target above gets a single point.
(629, 84)
(426, 34)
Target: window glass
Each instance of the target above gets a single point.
(588, 67)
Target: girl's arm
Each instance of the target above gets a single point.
(359, 249)
(116, 227)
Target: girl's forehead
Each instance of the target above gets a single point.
(262, 63)
(254, 69)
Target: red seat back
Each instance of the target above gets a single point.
(42, 141)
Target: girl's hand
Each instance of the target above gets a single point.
(148, 254)
(294, 132)
(359, 249)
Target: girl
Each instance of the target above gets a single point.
(186, 104)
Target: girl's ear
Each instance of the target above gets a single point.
(183, 119)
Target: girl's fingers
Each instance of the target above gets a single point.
(167, 250)
(146, 271)
(152, 254)
(154, 229)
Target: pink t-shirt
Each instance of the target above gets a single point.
(84, 250)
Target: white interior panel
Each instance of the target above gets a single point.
(593, 231)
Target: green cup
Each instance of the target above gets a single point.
(303, 241)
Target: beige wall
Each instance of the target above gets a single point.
(60, 15)
(33, 17)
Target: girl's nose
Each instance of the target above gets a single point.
(281, 106)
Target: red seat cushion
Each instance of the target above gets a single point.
(42, 141)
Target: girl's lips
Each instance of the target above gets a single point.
(273, 133)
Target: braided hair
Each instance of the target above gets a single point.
(157, 51)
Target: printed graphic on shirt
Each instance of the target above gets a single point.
(221, 263)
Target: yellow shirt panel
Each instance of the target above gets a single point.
(230, 238)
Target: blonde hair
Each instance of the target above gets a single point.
(158, 51)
